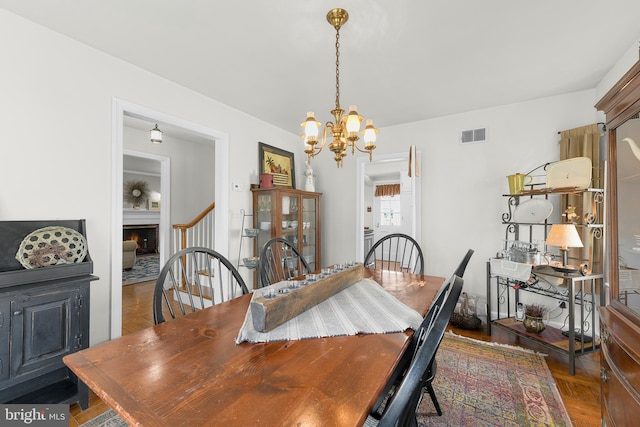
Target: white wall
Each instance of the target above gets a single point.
(56, 109)
(461, 184)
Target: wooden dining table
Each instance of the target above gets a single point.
(189, 371)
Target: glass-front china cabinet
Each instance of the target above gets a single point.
(291, 214)
(620, 318)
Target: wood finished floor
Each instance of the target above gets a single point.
(580, 393)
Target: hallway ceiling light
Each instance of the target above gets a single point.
(156, 135)
(344, 129)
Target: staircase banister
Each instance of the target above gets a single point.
(196, 219)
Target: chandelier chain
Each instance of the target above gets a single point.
(337, 69)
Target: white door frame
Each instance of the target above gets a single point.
(221, 151)
(361, 165)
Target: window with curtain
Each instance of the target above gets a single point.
(387, 190)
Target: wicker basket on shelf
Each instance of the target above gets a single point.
(463, 317)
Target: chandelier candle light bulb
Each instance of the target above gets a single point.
(311, 129)
(370, 133)
(353, 123)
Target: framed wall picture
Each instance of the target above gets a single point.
(278, 163)
(154, 205)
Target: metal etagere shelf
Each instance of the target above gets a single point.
(243, 236)
(579, 292)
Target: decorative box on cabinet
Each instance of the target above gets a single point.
(581, 294)
(291, 214)
(44, 315)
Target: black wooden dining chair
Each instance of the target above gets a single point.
(463, 264)
(407, 356)
(431, 370)
(197, 277)
(405, 361)
(401, 406)
(280, 260)
(396, 252)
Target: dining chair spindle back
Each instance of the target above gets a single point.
(396, 252)
(194, 278)
(280, 260)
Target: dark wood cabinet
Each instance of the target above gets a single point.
(620, 318)
(44, 315)
(291, 214)
(620, 365)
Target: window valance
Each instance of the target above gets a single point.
(387, 190)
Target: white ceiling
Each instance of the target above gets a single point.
(401, 61)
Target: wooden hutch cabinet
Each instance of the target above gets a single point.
(620, 319)
(44, 315)
(291, 214)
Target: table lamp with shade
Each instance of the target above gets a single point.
(565, 236)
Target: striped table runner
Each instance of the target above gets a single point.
(362, 308)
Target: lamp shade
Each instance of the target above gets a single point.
(564, 236)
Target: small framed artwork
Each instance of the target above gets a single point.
(278, 163)
(154, 205)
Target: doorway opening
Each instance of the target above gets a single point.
(220, 141)
(385, 168)
(149, 228)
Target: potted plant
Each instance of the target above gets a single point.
(533, 315)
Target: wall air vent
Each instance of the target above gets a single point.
(473, 135)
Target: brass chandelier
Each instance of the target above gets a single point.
(344, 129)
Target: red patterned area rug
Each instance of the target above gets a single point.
(486, 384)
